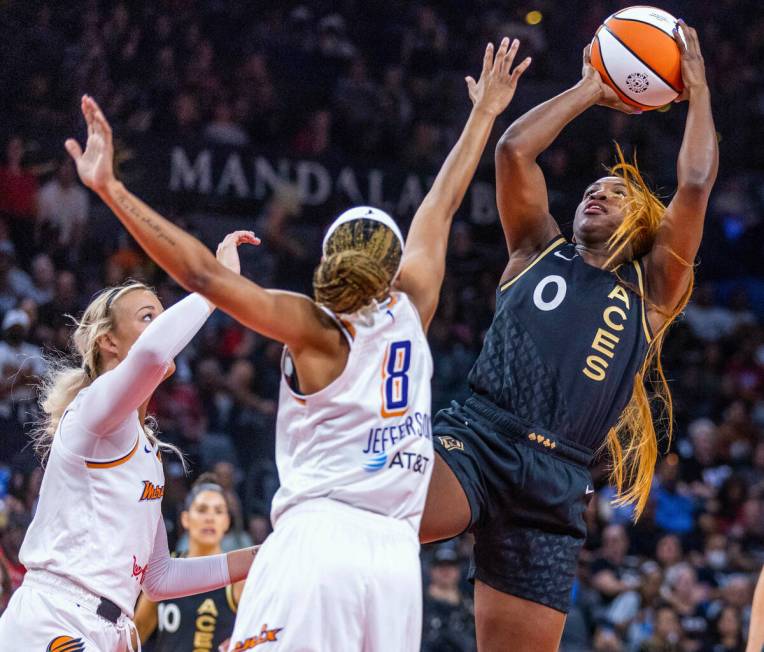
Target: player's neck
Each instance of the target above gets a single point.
(200, 550)
(597, 256)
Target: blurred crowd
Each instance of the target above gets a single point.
(383, 81)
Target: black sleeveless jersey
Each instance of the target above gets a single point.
(196, 623)
(565, 343)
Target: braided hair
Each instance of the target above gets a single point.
(360, 262)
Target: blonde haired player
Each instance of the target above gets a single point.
(98, 537)
(354, 450)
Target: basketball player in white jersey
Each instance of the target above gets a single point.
(341, 570)
(98, 537)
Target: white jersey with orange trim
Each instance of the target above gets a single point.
(96, 520)
(365, 440)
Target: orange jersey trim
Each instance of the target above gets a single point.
(349, 328)
(111, 464)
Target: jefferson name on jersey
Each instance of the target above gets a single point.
(384, 439)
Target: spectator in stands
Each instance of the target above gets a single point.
(15, 284)
(448, 618)
(689, 600)
(10, 543)
(726, 633)
(667, 634)
(43, 280)
(18, 195)
(21, 367)
(610, 573)
(62, 214)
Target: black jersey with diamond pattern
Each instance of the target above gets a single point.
(565, 344)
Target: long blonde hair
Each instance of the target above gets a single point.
(65, 380)
(633, 442)
(362, 257)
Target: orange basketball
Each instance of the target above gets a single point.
(636, 55)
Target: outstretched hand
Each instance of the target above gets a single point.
(693, 66)
(95, 165)
(497, 84)
(607, 96)
(228, 250)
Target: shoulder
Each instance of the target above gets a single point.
(521, 261)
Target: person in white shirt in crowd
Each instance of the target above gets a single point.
(21, 364)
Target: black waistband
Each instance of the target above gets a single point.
(108, 610)
(515, 427)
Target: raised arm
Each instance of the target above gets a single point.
(115, 395)
(424, 262)
(521, 192)
(290, 318)
(668, 265)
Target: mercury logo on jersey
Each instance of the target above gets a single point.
(151, 491)
(265, 636)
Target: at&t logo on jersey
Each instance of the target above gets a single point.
(384, 437)
(265, 636)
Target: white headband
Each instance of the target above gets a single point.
(364, 213)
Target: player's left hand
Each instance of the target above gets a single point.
(228, 252)
(693, 66)
(497, 84)
(95, 166)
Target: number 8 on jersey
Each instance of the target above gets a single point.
(395, 379)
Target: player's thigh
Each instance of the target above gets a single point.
(393, 603)
(506, 622)
(447, 511)
(303, 591)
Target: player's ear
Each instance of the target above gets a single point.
(227, 522)
(184, 519)
(107, 344)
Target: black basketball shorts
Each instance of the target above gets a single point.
(527, 490)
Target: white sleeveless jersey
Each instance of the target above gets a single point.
(366, 439)
(96, 520)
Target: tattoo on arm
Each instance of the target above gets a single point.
(125, 202)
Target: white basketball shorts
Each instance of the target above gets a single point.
(333, 578)
(48, 613)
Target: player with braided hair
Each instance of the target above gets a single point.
(353, 442)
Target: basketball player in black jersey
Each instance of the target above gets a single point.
(203, 621)
(562, 371)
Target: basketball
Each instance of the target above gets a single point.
(636, 55)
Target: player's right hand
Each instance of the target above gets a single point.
(94, 166)
(497, 84)
(228, 253)
(607, 96)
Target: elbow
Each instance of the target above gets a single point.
(697, 183)
(510, 146)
